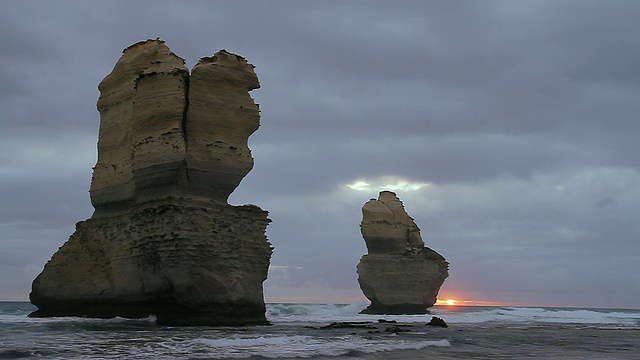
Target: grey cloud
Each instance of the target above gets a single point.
(493, 103)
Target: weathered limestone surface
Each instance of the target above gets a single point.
(163, 240)
(141, 145)
(220, 119)
(399, 275)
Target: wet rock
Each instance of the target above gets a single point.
(350, 325)
(383, 321)
(436, 321)
(396, 329)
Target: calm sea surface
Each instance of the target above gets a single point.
(297, 332)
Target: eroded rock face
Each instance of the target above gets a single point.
(163, 240)
(220, 119)
(141, 145)
(399, 275)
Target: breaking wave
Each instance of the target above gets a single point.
(540, 315)
(299, 346)
(315, 313)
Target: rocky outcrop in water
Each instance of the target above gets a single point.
(399, 275)
(163, 240)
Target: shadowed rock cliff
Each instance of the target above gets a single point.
(163, 240)
(399, 275)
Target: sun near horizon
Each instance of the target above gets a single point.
(457, 301)
(450, 302)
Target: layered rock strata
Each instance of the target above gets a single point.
(163, 240)
(399, 275)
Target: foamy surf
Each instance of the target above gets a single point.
(301, 331)
(321, 313)
(540, 315)
(299, 346)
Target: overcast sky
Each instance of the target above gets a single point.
(510, 130)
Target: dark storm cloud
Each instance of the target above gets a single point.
(521, 115)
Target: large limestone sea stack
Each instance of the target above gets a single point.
(163, 240)
(399, 275)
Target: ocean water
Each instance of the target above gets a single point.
(297, 332)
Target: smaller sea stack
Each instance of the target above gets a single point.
(399, 275)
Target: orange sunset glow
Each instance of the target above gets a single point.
(446, 302)
(456, 301)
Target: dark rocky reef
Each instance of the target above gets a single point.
(399, 275)
(163, 240)
(436, 321)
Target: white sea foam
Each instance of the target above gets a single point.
(324, 313)
(74, 319)
(299, 346)
(312, 312)
(544, 315)
(289, 337)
